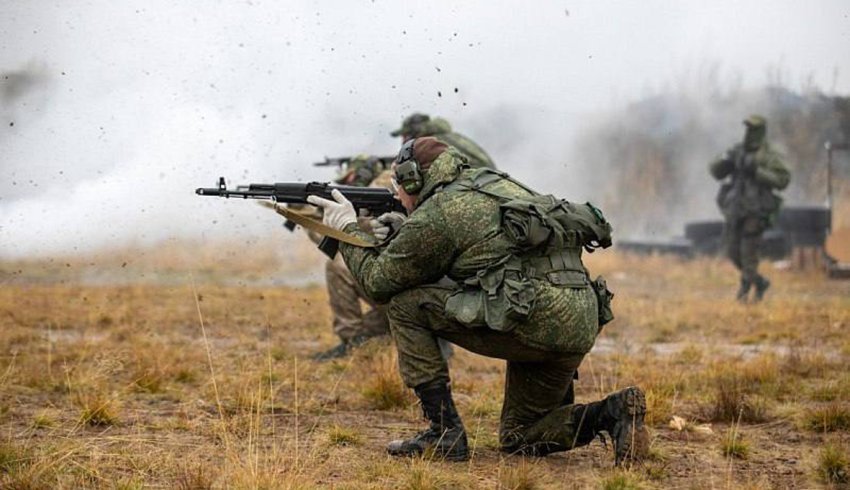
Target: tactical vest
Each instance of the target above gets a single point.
(548, 235)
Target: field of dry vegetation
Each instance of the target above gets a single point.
(120, 373)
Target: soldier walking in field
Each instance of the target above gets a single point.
(752, 170)
(518, 291)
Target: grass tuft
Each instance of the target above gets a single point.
(424, 476)
(343, 436)
(194, 478)
(659, 405)
(733, 445)
(834, 464)
(97, 409)
(622, 480)
(828, 418)
(734, 400)
(382, 387)
(43, 420)
(522, 476)
(12, 458)
(149, 379)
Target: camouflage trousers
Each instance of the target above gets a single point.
(742, 239)
(345, 296)
(533, 412)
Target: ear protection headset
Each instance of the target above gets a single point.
(408, 173)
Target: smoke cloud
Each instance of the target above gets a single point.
(114, 112)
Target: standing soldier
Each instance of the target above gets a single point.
(417, 125)
(747, 200)
(520, 292)
(350, 323)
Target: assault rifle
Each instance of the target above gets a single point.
(383, 161)
(376, 200)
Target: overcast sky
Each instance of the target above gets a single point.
(112, 112)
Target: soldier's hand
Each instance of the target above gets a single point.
(386, 224)
(337, 214)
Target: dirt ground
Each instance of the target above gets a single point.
(189, 375)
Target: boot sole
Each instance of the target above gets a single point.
(429, 453)
(633, 446)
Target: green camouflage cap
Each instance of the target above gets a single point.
(755, 121)
(411, 124)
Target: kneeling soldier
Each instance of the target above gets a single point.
(520, 293)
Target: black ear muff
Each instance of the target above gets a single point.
(407, 171)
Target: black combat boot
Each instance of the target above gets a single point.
(341, 350)
(761, 286)
(744, 290)
(621, 416)
(445, 438)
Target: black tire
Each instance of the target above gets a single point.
(804, 219)
(699, 231)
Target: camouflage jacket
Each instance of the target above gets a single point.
(442, 130)
(753, 176)
(458, 234)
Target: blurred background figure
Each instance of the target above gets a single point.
(752, 170)
(417, 125)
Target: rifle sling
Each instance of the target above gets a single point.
(318, 226)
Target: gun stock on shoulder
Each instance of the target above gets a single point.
(376, 200)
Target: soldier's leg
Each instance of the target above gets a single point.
(751, 230)
(750, 246)
(414, 319)
(344, 300)
(418, 320)
(535, 423)
(534, 390)
(375, 321)
(732, 241)
(347, 316)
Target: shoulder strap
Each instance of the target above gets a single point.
(483, 177)
(317, 226)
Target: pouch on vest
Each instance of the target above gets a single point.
(532, 221)
(603, 301)
(495, 295)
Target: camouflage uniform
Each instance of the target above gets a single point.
(747, 200)
(360, 171)
(458, 233)
(418, 125)
(345, 297)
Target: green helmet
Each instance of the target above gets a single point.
(412, 124)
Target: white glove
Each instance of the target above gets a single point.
(386, 224)
(337, 214)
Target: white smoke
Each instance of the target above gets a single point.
(117, 111)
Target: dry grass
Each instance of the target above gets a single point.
(344, 436)
(733, 444)
(381, 385)
(830, 417)
(111, 386)
(833, 465)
